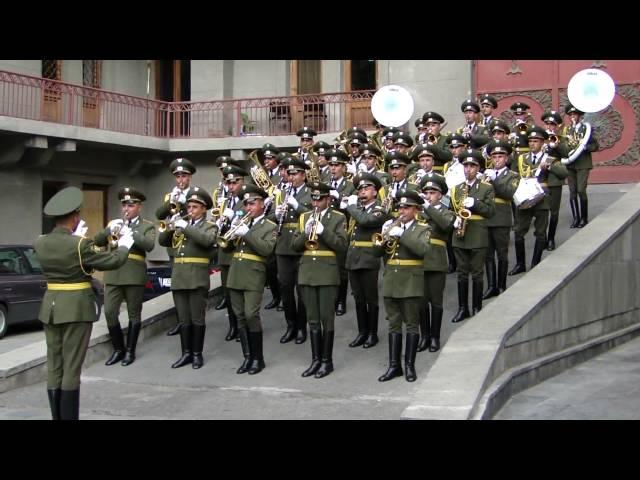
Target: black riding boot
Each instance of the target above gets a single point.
(395, 350)
(363, 325)
(520, 259)
(316, 346)
(185, 344)
(538, 248)
(175, 330)
(54, 402)
(476, 296)
(233, 324)
(503, 267)
(246, 352)
(372, 315)
(255, 346)
(463, 301)
(301, 324)
(492, 287)
(584, 212)
(69, 404)
(117, 340)
(132, 341)
(341, 301)
(434, 334)
(551, 236)
(410, 357)
(575, 212)
(198, 344)
(424, 328)
(326, 364)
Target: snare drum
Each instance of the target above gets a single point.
(528, 194)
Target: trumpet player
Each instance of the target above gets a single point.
(234, 181)
(127, 282)
(366, 219)
(192, 239)
(473, 203)
(250, 245)
(470, 110)
(304, 152)
(421, 126)
(397, 163)
(174, 202)
(322, 239)
(488, 104)
(287, 214)
(522, 122)
(434, 123)
(505, 182)
(371, 157)
(404, 245)
(440, 221)
(320, 148)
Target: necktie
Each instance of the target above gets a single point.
(335, 184)
(251, 223)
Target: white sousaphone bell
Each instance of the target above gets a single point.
(392, 106)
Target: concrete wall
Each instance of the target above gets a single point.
(26, 67)
(565, 311)
(260, 78)
(72, 71)
(207, 79)
(128, 77)
(21, 198)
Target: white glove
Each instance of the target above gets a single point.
(343, 203)
(362, 167)
(396, 231)
(352, 200)
(386, 224)
(490, 173)
(115, 225)
(293, 202)
(219, 223)
(478, 175)
(320, 229)
(426, 200)
(267, 202)
(421, 172)
(181, 223)
(81, 229)
(457, 223)
(308, 225)
(125, 231)
(242, 230)
(334, 194)
(182, 198)
(351, 168)
(175, 193)
(469, 202)
(229, 213)
(126, 240)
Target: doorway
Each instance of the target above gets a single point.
(173, 84)
(360, 75)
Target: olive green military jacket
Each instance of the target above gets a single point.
(325, 176)
(445, 156)
(134, 271)
(320, 267)
(526, 169)
(476, 130)
(345, 189)
(557, 175)
(224, 257)
(584, 160)
(248, 270)
(504, 186)
(163, 210)
(363, 223)
(291, 221)
(190, 268)
(439, 220)
(476, 235)
(403, 275)
(384, 192)
(67, 261)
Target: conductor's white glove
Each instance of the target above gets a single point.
(396, 231)
(81, 229)
(181, 223)
(351, 168)
(469, 202)
(352, 200)
(490, 173)
(457, 223)
(115, 225)
(293, 202)
(126, 240)
(229, 213)
(242, 230)
(334, 194)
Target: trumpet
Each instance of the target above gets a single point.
(224, 240)
(115, 234)
(431, 139)
(312, 242)
(383, 238)
(164, 225)
(522, 128)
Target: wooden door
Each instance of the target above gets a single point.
(91, 77)
(360, 75)
(51, 95)
(94, 211)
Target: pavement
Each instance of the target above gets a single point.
(150, 389)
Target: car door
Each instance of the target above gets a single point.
(34, 283)
(20, 290)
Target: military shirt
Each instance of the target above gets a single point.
(476, 234)
(384, 192)
(439, 221)
(505, 185)
(363, 223)
(134, 271)
(68, 259)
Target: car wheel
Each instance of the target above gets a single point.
(3, 321)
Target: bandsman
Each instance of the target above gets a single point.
(388, 136)
(372, 157)
(127, 282)
(488, 104)
(397, 164)
(470, 110)
(321, 238)
(434, 123)
(268, 155)
(320, 148)
(304, 152)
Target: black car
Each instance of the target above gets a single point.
(22, 286)
(158, 280)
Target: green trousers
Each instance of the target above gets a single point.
(540, 223)
(434, 283)
(403, 310)
(555, 198)
(499, 243)
(191, 305)
(364, 286)
(320, 306)
(67, 345)
(577, 181)
(114, 295)
(470, 261)
(246, 305)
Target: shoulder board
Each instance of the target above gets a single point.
(146, 221)
(266, 220)
(411, 183)
(422, 222)
(486, 182)
(377, 207)
(210, 222)
(338, 212)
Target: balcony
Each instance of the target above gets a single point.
(35, 98)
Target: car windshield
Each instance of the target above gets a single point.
(30, 253)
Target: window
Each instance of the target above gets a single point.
(52, 69)
(363, 75)
(92, 73)
(11, 263)
(30, 253)
(308, 76)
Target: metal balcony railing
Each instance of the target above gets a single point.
(35, 98)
